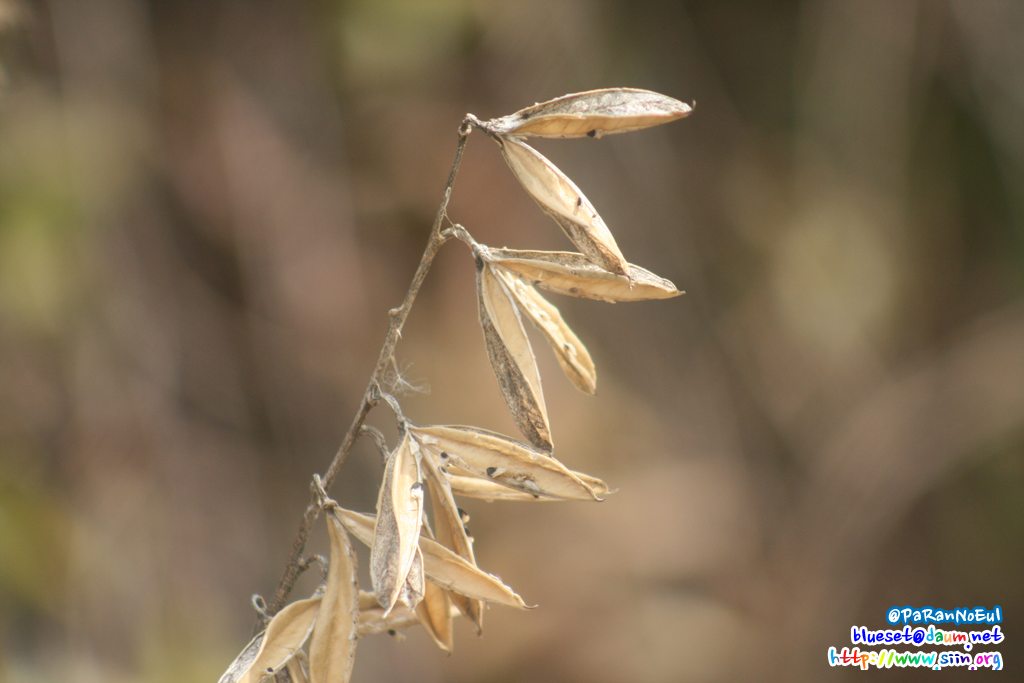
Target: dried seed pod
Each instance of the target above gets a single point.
(393, 555)
(239, 668)
(593, 113)
(566, 272)
(435, 613)
(565, 203)
(503, 460)
(332, 650)
(450, 530)
(372, 621)
(598, 486)
(570, 352)
(296, 669)
(270, 651)
(442, 566)
(470, 486)
(368, 601)
(512, 358)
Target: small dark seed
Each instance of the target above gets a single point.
(491, 471)
(444, 456)
(592, 133)
(391, 631)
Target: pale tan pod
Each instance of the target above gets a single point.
(503, 460)
(598, 486)
(442, 566)
(593, 113)
(415, 581)
(270, 651)
(566, 272)
(564, 202)
(470, 486)
(512, 358)
(332, 651)
(297, 670)
(399, 517)
(435, 614)
(239, 668)
(572, 355)
(450, 530)
(368, 600)
(373, 622)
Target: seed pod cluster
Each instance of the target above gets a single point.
(423, 567)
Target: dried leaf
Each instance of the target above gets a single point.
(442, 566)
(451, 531)
(332, 650)
(564, 202)
(566, 272)
(435, 613)
(570, 352)
(503, 460)
(399, 517)
(593, 113)
(270, 651)
(512, 358)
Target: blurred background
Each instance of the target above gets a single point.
(207, 207)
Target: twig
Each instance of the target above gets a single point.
(396, 319)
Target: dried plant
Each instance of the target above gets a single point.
(422, 567)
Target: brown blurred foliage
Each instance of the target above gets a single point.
(206, 208)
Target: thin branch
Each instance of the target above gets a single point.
(397, 317)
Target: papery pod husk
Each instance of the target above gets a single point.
(368, 600)
(572, 274)
(450, 531)
(503, 460)
(592, 114)
(471, 486)
(570, 352)
(270, 651)
(435, 614)
(332, 651)
(598, 486)
(372, 621)
(442, 566)
(559, 197)
(239, 668)
(512, 358)
(399, 518)
(296, 669)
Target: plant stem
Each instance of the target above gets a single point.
(397, 317)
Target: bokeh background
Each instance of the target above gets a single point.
(206, 208)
